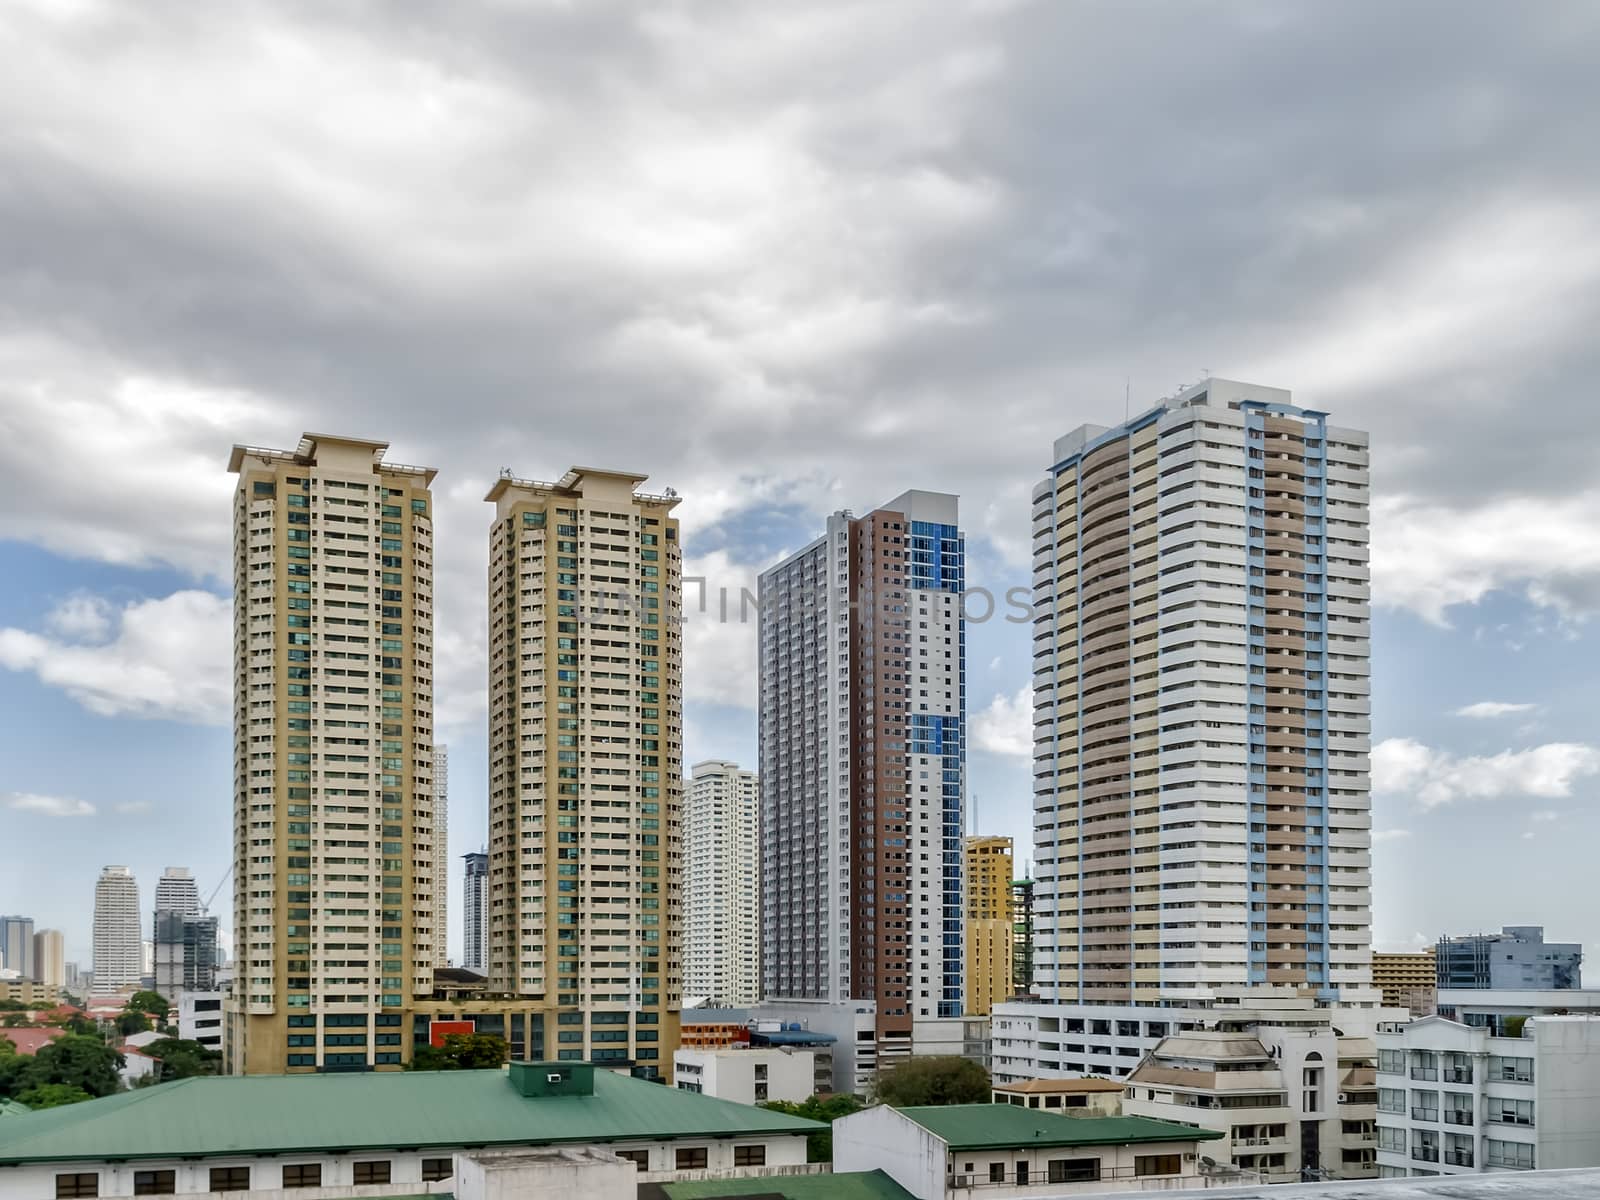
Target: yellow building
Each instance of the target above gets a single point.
(989, 930)
(586, 764)
(1407, 979)
(333, 756)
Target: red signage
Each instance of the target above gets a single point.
(438, 1030)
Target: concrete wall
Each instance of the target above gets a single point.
(881, 1138)
(1567, 1091)
(731, 1074)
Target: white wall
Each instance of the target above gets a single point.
(1567, 1086)
(881, 1138)
(731, 1074)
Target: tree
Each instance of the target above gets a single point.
(16, 1020)
(819, 1146)
(53, 1095)
(152, 1003)
(132, 1021)
(181, 1059)
(81, 1026)
(81, 1062)
(935, 1079)
(462, 1052)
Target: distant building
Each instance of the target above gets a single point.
(118, 943)
(177, 892)
(474, 926)
(1516, 957)
(989, 933)
(1406, 979)
(441, 853)
(1069, 1097)
(200, 1018)
(1021, 937)
(16, 946)
(722, 883)
(749, 1075)
(49, 958)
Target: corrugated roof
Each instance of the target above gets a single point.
(997, 1126)
(31, 1041)
(851, 1185)
(1051, 1087)
(282, 1114)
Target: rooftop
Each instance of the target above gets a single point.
(1054, 1087)
(31, 1041)
(281, 1114)
(851, 1185)
(1511, 1185)
(1001, 1126)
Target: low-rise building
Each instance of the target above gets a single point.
(27, 991)
(334, 1135)
(1070, 1097)
(752, 1075)
(1517, 957)
(200, 1018)
(979, 1151)
(853, 1026)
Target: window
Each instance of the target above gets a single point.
(1022, 1174)
(155, 1183)
(86, 1183)
(1157, 1164)
(1516, 1070)
(1499, 1153)
(749, 1156)
(1074, 1170)
(230, 1179)
(692, 1158)
(303, 1175)
(437, 1168)
(376, 1171)
(997, 1172)
(1509, 1112)
(639, 1158)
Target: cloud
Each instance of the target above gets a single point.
(1403, 766)
(81, 616)
(170, 658)
(131, 807)
(50, 806)
(1488, 709)
(1389, 835)
(720, 626)
(1006, 726)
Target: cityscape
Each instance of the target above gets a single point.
(890, 774)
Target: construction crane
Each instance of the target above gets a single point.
(205, 906)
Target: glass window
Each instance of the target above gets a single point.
(437, 1168)
(230, 1179)
(155, 1183)
(689, 1158)
(639, 1158)
(302, 1175)
(1157, 1164)
(1074, 1170)
(749, 1156)
(997, 1172)
(376, 1171)
(82, 1183)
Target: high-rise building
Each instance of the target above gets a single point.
(333, 755)
(177, 900)
(1406, 979)
(185, 952)
(863, 763)
(1517, 957)
(49, 958)
(1201, 701)
(722, 884)
(989, 931)
(1022, 937)
(176, 892)
(118, 936)
(586, 763)
(16, 946)
(474, 922)
(441, 854)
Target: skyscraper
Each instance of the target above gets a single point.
(333, 755)
(118, 932)
(49, 958)
(721, 884)
(863, 760)
(586, 762)
(989, 932)
(177, 900)
(176, 892)
(441, 854)
(16, 945)
(474, 923)
(1201, 700)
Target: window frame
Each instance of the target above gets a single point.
(703, 1153)
(155, 1181)
(301, 1170)
(370, 1168)
(74, 1190)
(752, 1155)
(228, 1173)
(446, 1172)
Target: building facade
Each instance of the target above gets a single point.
(990, 935)
(1517, 957)
(333, 755)
(1022, 937)
(49, 957)
(200, 1018)
(586, 762)
(118, 937)
(1406, 979)
(441, 854)
(722, 884)
(474, 920)
(749, 1075)
(177, 892)
(863, 762)
(1201, 702)
(16, 946)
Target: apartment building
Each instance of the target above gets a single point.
(333, 755)
(989, 933)
(722, 884)
(1406, 979)
(1022, 937)
(586, 764)
(1517, 957)
(441, 854)
(863, 751)
(49, 957)
(118, 940)
(1517, 1089)
(16, 946)
(1201, 649)
(474, 912)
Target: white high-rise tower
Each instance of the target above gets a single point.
(118, 931)
(721, 884)
(441, 853)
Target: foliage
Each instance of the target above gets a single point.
(12, 1006)
(53, 1095)
(132, 1022)
(934, 1079)
(81, 1062)
(148, 1002)
(81, 1026)
(819, 1146)
(181, 1058)
(16, 1020)
(462, 1052)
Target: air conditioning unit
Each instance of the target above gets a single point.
(554, 1077)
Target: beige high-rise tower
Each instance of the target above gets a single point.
(333, 756)
(586, 763)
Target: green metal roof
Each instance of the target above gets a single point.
(13, 1108)
(999, 1126)
(286, 1114)
(853, 1185)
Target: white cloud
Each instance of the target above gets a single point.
(1488, 709)
(1006, 726)
(82, 616)
(50, 806)
(170, 658)
(1389, 835)
(1527, 835)
(1404, 766)
(719, 631)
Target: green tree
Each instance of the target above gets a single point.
(152, 1003)
(462, 1052)
(935, 1079)
(53, 1095)
(181, 1058)
(819, 1146)
(81, 1062)
(16, 1020)
(132, 1022)
(81, 1026)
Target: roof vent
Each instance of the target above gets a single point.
(537, 1080)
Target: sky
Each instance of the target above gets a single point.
(789, 259)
